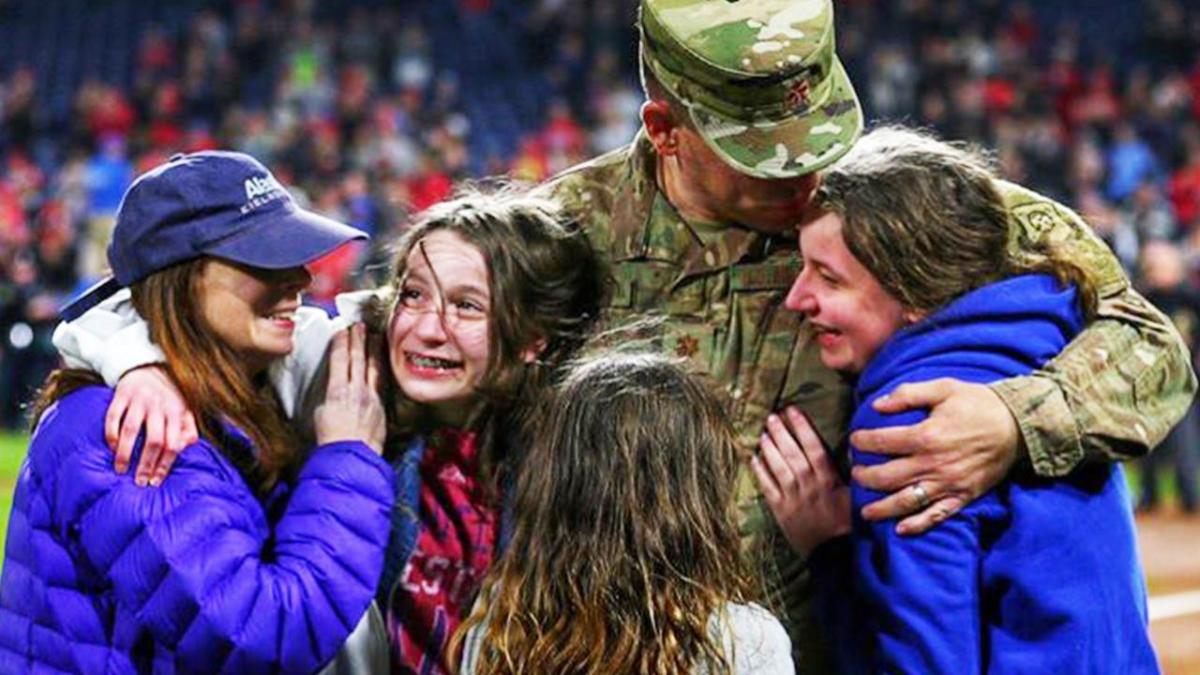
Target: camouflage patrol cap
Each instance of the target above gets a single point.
(760, 79)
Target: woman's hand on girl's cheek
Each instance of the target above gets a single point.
(807, 498)
(352, 409)
(146, 398)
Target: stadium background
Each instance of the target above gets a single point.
(371, 110)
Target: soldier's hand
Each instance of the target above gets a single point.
(810, 502)
(964, 448)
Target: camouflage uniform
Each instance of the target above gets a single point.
(720, 294)
(719, 288)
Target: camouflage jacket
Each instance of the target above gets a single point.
(1119, 387)
(717, 294)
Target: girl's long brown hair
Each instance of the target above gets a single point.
(626, 547)
(206, 371)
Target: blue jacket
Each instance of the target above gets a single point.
(1035, 576)
(192, 576)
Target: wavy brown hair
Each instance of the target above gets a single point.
(625, 549)
(927, 219)
(207, 372)
(546, 284)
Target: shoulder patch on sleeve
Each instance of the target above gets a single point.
(1035, 219)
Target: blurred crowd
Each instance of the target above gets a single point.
(373, 112)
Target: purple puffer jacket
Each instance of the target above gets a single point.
(102, 576)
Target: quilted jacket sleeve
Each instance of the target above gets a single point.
(197, 565)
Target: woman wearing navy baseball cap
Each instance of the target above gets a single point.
(244, 561)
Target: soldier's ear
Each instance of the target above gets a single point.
(660, 127)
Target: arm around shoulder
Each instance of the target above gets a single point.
(1117, 389)
(111, 339)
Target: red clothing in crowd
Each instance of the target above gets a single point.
(1185, 195)
(429, 188)
(112, 115)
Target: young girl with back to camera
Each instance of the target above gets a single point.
(625, 555)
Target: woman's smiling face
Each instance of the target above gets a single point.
(852, 313)
(252, 310)
(439, 334)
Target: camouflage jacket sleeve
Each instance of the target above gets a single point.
(1119, 387)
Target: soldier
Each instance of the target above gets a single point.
(746, 102)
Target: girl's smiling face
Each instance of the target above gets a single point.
(852, 313)
(439, 334)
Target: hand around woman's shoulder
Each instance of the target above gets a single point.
(74, 465)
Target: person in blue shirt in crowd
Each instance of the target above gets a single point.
(905, 279)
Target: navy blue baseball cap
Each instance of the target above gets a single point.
(213, 203)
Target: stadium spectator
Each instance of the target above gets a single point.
(1167, 285)
(1185, 184)
(28, 314)
(109, 173)
(19, 111)
(1149, 212)
(1131, 163)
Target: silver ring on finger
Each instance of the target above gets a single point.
(920, 495)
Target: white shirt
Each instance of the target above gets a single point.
(752, 635)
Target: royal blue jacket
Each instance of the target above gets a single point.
(1036, 576)
(196, 575)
